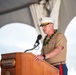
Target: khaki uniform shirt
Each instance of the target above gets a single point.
(57, 40)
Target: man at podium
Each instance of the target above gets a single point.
(54, 46)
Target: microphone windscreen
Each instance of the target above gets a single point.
(39, 36)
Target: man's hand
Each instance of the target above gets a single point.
(39, 57)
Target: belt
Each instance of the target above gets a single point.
(57, 63)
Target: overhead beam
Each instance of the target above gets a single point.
(17, 8)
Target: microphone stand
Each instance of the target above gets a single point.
(31, 48)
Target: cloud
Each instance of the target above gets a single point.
(70, 34)
(16, 37)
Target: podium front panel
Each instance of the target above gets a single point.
(24, 64)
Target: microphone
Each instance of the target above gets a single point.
(38, 38)
(36, 43)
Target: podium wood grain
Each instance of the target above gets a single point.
(26, 65)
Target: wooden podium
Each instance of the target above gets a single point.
(24, 64)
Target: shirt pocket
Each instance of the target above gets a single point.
(51, 45)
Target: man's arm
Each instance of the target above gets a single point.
(55, 52)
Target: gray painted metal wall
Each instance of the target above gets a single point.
(22, 16)
(67, 13)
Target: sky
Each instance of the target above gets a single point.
(70, 34)
(18, 37)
